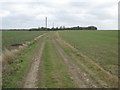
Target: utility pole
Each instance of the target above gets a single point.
(46, 22)
(53, 25)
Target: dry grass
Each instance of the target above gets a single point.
(9, 55)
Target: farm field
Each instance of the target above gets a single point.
(63, 59)
(17, 37)
(100, 46)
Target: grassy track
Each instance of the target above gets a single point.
(101, 46)
(16, 37)
(53, 72)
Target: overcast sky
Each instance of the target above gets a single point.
(31, 13)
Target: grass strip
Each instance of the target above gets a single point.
(53, 73)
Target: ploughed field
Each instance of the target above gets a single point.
(61, 59)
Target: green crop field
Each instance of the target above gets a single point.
(100, 46)
(17, 37)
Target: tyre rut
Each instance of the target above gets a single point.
(77, 75)
(31, 78)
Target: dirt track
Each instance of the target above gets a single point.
(76, 75)
(80, 78)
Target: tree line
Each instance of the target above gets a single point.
(63, 28)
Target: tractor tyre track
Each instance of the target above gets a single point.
(31, 78)
(97, 81)
(77, 75)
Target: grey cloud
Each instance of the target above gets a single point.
(71, 14)
(79, 4)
